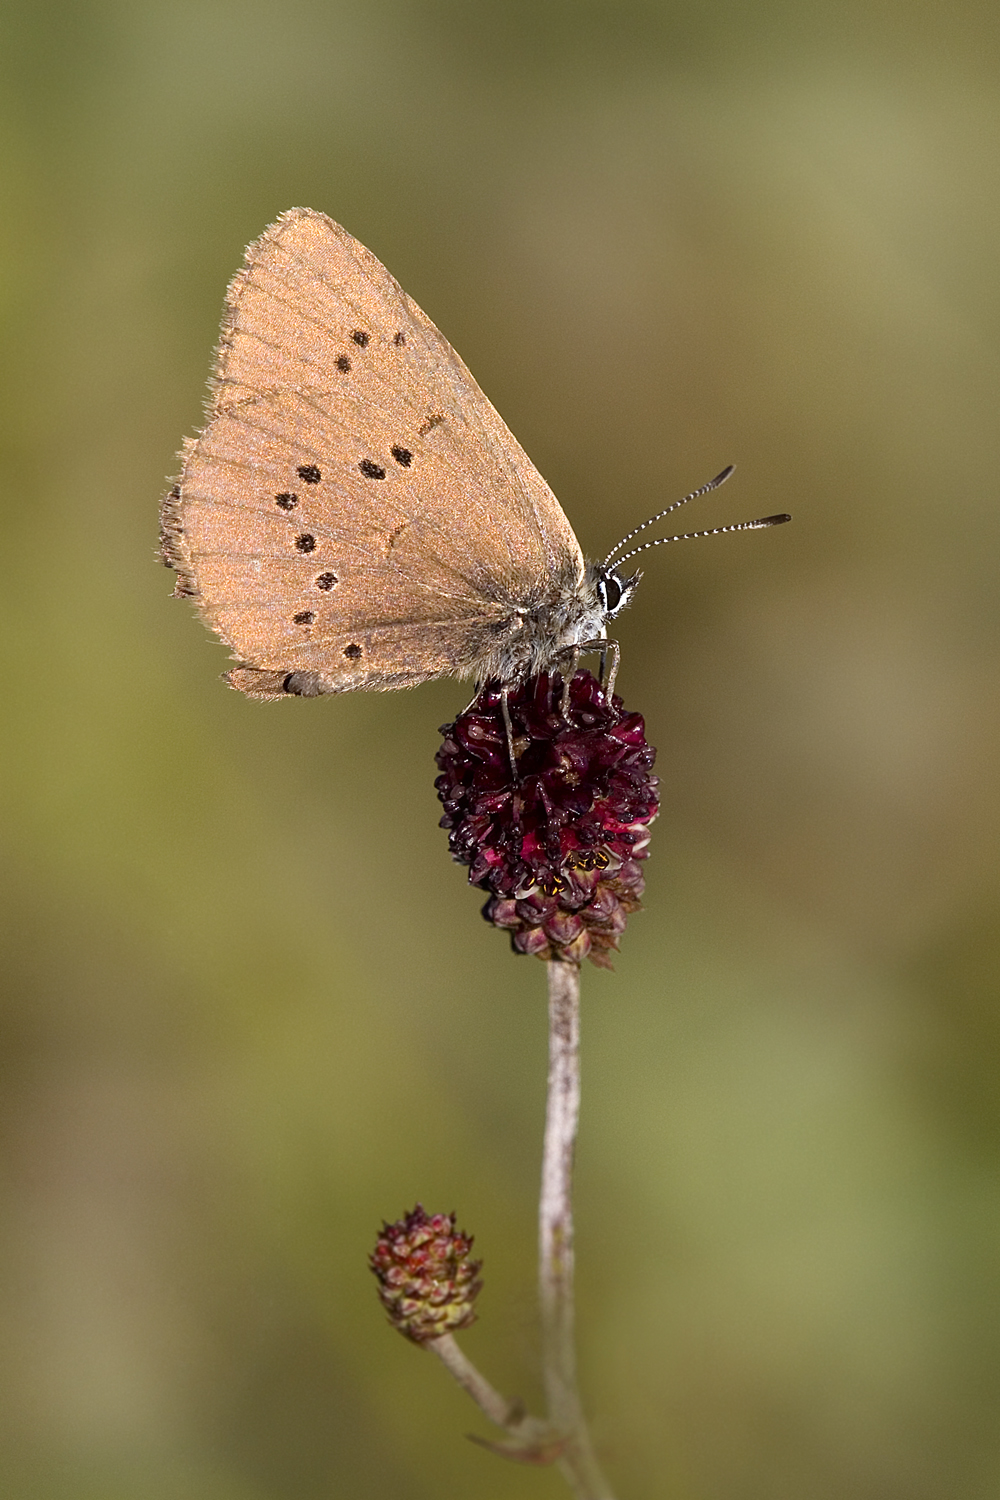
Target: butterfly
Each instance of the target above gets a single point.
(355, 513)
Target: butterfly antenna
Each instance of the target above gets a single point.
(713, 484)
(689, 536)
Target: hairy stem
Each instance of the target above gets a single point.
(555, 1227)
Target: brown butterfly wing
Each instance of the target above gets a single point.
(355, 510)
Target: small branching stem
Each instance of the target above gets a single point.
(497, 1407)
(555, 1227)
(530, 1440)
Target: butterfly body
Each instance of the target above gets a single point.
(355, 513)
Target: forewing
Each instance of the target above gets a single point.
(354, 508)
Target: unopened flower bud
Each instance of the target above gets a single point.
(427, 1282)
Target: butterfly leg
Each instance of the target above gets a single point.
(573, 652)
(607, 649)
(508, 726)
(612, 649)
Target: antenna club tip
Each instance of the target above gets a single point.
(778, 520)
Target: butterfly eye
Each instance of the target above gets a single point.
(610, 591)
(614, 591)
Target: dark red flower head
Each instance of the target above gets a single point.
(427, 1282)
(559, 848)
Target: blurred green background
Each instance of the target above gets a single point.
(249, 1008)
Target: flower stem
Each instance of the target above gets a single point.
(555, 1229)
(531, 1440)
(489, 1400)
